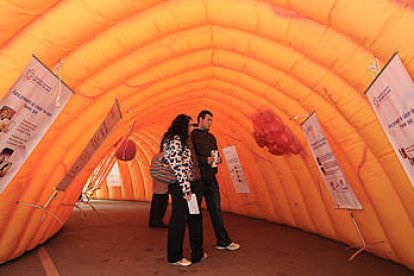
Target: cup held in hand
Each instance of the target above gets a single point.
(214, 154)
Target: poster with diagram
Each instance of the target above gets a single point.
(236, 170)
(335, 180)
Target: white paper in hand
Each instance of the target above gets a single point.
(193, 205)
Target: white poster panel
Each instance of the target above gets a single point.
(236, 170)
(26, 113)
(392, 98)
(101, 172)
(113, 117)
(103, 169)
(114, 179)
(328, 165)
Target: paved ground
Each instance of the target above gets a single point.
(115, 240)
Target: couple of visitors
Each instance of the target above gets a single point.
(192, 153)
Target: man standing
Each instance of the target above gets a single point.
(204, 143)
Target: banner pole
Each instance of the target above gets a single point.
(56, 72)
(374, 68)
(364, 245)
(105, 166)
(361, 237)
(52, 196)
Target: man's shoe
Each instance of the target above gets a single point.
(183, 262)
(232, 247)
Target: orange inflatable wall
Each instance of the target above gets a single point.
(233, 57)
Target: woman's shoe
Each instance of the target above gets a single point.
(183, 262)
(205, 256)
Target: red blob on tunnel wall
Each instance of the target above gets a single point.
(270, 132)
(126, 151)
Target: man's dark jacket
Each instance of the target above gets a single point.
(204, 142)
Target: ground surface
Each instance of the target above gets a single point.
(115, 240)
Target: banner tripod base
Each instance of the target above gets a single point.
(361, 249)
(364, 245)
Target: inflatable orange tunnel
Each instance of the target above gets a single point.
(234, 58)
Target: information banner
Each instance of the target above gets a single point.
(328, 165)
(236, 170)
(392, 97)
(113, 117)
(26, 113)
(114, 179)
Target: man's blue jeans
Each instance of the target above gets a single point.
(211, 192)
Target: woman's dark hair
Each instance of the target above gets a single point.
(179, 126)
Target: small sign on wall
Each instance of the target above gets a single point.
(236, 170)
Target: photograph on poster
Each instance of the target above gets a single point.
(407, 153)
(5, 165)
(6, 115)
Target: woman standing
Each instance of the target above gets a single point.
(178, 156)
(159, 201)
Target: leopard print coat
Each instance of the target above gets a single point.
(180, 161)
